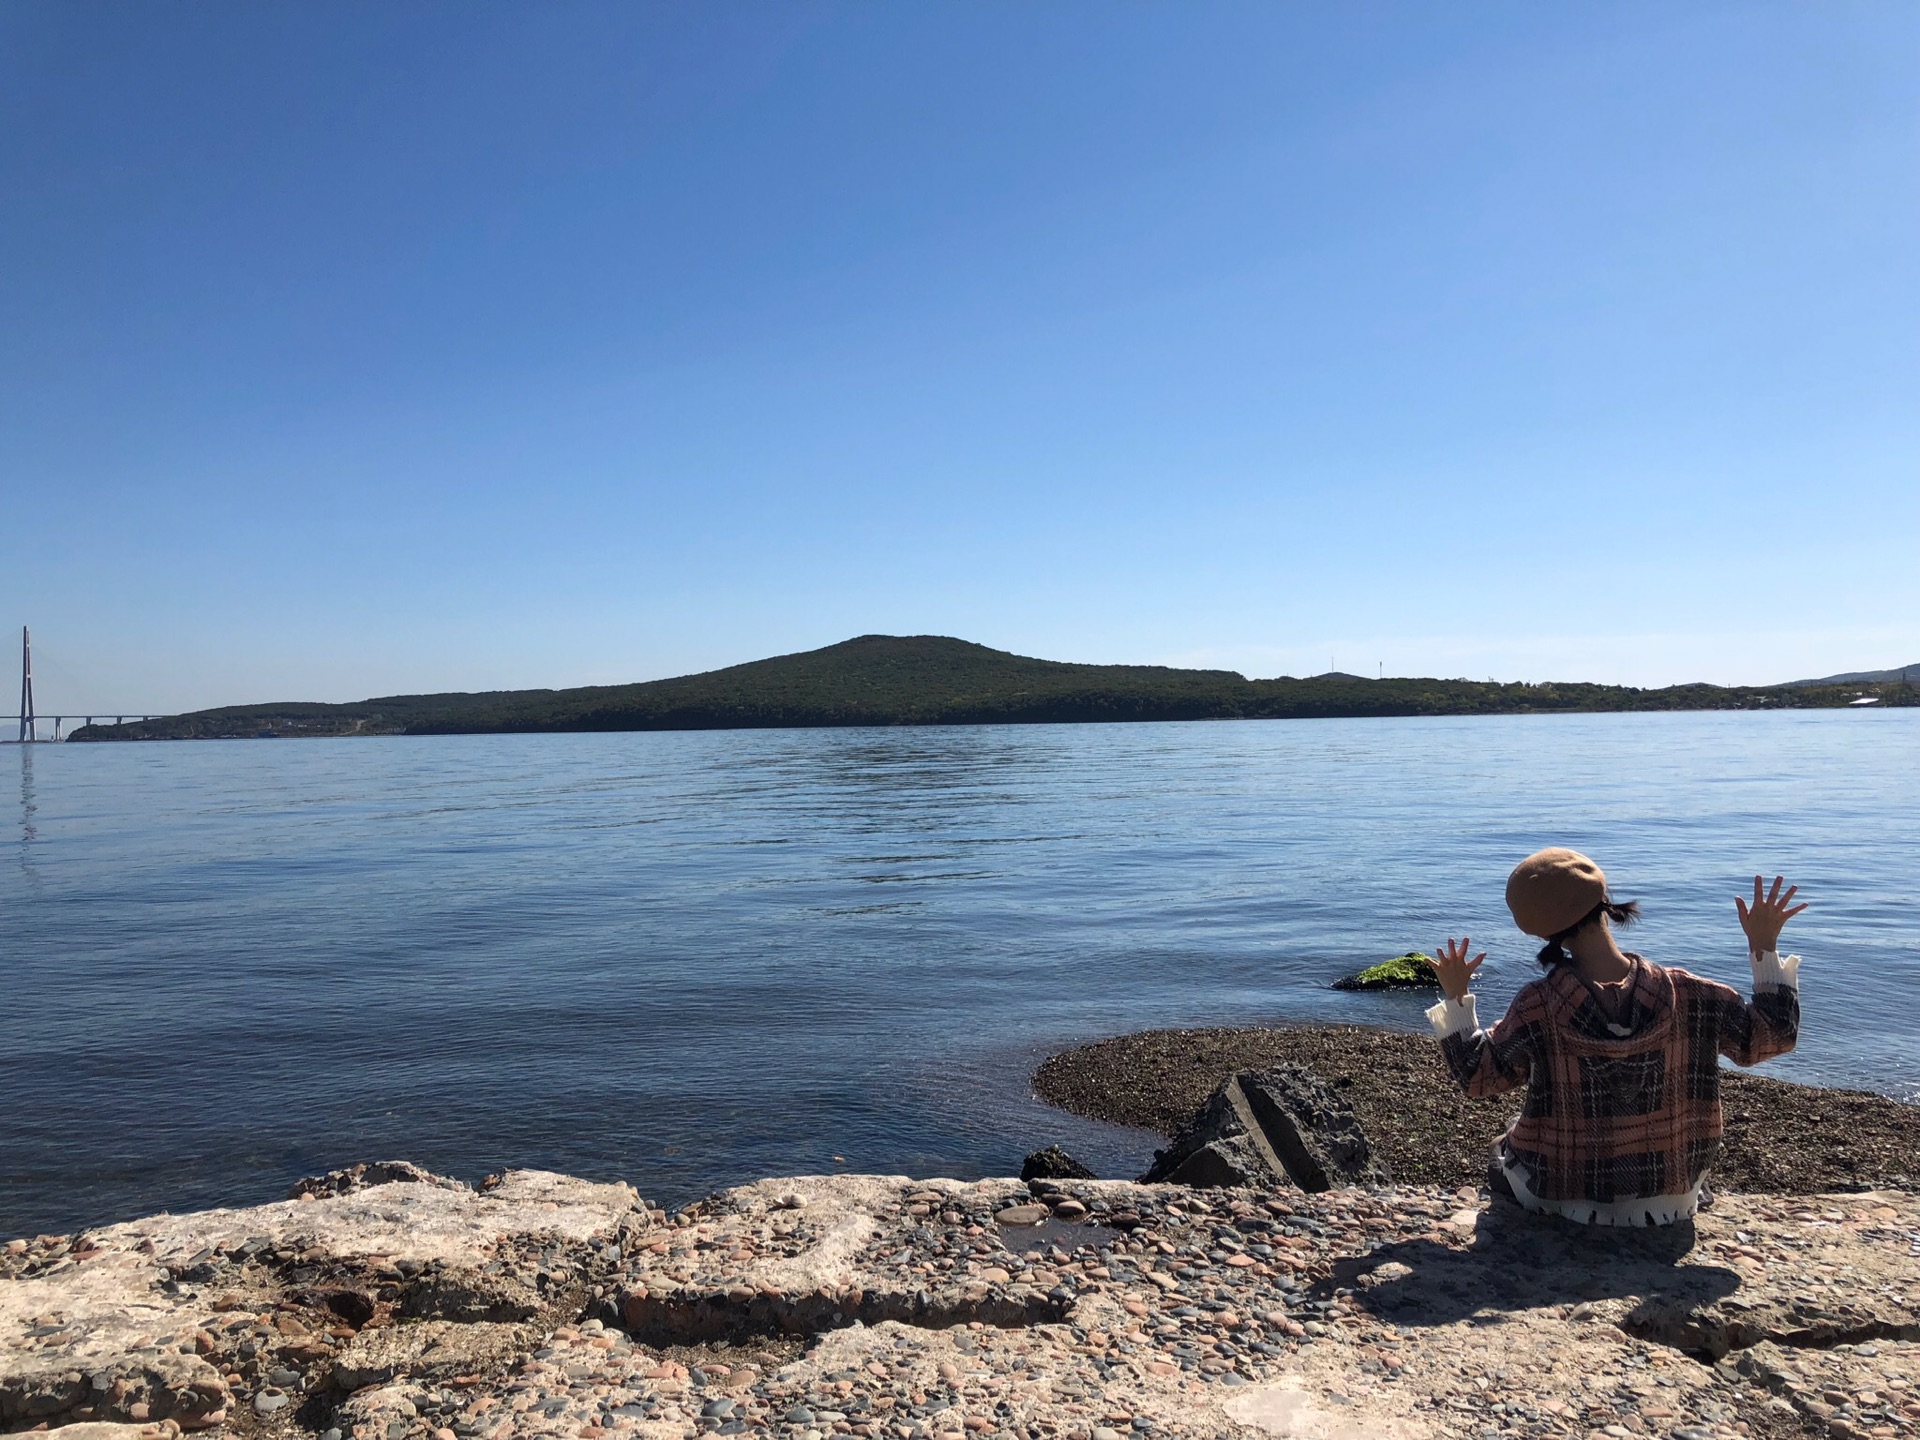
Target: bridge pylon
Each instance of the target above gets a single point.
(27, 728)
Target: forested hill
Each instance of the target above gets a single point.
(933, 680)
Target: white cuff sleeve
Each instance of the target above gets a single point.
(1771, 972)
(1451, 1016)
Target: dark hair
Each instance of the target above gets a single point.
(1554, 952)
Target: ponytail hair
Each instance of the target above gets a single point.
(1555, 952)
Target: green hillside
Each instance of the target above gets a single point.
(934, 680)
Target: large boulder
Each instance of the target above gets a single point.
(189, 1319)
(1270, 1127)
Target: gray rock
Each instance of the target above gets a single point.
(1270, 1127)
(355, 1178)
(266, 1402)
(1053, 1163)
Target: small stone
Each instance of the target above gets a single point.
(717, 1409)
(1105, 1432)
(1070, 1209)
(1023, 1215)
(269, 1401)
(800, 1415)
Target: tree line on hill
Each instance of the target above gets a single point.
(934, 680)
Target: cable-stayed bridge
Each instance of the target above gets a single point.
(34, 728)
(28, 721)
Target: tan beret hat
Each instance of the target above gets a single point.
(1553, 890)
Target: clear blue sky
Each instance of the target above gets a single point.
(355, 348)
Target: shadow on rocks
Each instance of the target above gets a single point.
(1519, 1261)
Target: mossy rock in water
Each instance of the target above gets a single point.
(1412, 971)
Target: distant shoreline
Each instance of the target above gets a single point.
(883, 680)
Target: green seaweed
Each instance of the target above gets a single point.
(1413, 970)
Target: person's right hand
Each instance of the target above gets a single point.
(1769, 912)
(1454, 969)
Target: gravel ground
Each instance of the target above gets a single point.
(1781, 1138)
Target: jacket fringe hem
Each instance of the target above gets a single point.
(1652, 1210)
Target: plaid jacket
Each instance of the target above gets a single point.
(1626, 1109)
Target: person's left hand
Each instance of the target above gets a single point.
(1765, 919)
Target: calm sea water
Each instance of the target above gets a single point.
(687, 960)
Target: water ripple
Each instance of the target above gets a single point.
(662, 957)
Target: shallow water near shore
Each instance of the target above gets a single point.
(692, 959)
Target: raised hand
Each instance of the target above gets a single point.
(1454, 970)
(1764, 918)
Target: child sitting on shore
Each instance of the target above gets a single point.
(1620, 1057)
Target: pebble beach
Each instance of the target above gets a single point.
(1782, 1138)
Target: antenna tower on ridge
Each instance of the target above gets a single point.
(27, 726)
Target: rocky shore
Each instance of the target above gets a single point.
(383, 1303)
(1782, 1138)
